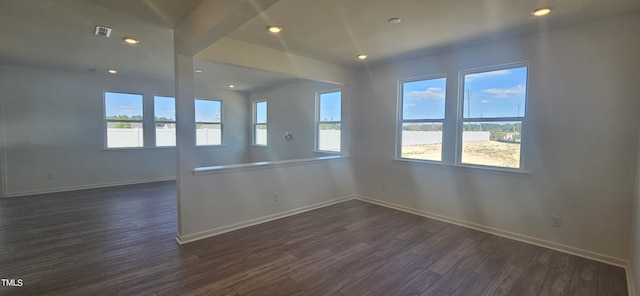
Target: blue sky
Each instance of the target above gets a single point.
(261, 112)
(165, 107)
(330, 106)
(122, 104)
(207, 111)
(493, 94)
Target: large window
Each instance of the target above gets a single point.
(422, 118)
(492, 117)
(123, 117)
(208, 122)
(165, 120)
(484, 127)
(260, 123)
(328, 123)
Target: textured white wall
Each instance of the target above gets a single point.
(581, 138)
(635, 230)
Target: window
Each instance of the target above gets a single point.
(260, 123)
(165, 120)
(328, 122)
(123, 117)
(422, 118)
(492, 116)
(208, 122)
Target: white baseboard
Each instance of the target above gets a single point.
(89, 186)
(511, 235)
(224, 229)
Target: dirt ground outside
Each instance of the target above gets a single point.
(491, 153)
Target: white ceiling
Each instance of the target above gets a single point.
(58, 34)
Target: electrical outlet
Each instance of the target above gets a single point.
(383, 187)
(556, 220)
(50, 176)
(276, 196)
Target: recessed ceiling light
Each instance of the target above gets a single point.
(198, 70)
(112, 71)
(362, 57)
(542, 11)
(274, 29)
(130, 40)
(232, 85)
(394, 20)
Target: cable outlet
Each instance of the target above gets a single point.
(276, 196)
(556, 221)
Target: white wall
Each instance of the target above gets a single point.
(290, 107)
(53, 124)
(580, 148)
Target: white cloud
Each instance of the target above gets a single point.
(409, 105)
(429, 93)
(505, 92)
(127, 108)
(470, 77)
(485, 101)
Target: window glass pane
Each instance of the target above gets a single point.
(424, 99)
(208, 134)
(165, 117)
(164, 108)
(208, 111)
(494, 94)
(123, 106)
(123, 113)
(492, 143)
(261, 134)
(261, 112)
(329, 137)
(330, 106)
(422, 141)
(122, 134)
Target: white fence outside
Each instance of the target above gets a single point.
(435, 137)
(329, 140)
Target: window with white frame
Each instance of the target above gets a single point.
(328, 121)
(208, 116)
(422, 114)
(123, 120)
(492, 116)
(260, 123)
(165, 120)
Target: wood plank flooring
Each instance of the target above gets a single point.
(121, 241)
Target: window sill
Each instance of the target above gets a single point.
(327, 152)
(220, 169)
(463, 167)
(259, 146)
(210, 146)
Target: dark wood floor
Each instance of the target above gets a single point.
(121, 241)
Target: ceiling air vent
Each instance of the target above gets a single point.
(103, 31)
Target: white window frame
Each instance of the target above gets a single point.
(156, 122)
(402, 121)
(319, 121)
(461, 120)
(211, 123)
(106, 121)
(255, 123)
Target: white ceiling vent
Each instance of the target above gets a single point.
(103, 31)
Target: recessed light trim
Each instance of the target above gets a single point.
(198, 70)
(394, 20)
(542, 11)
(112, 71)
(130, 40)
(362, 57)
(232, 85)
(274, 29)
